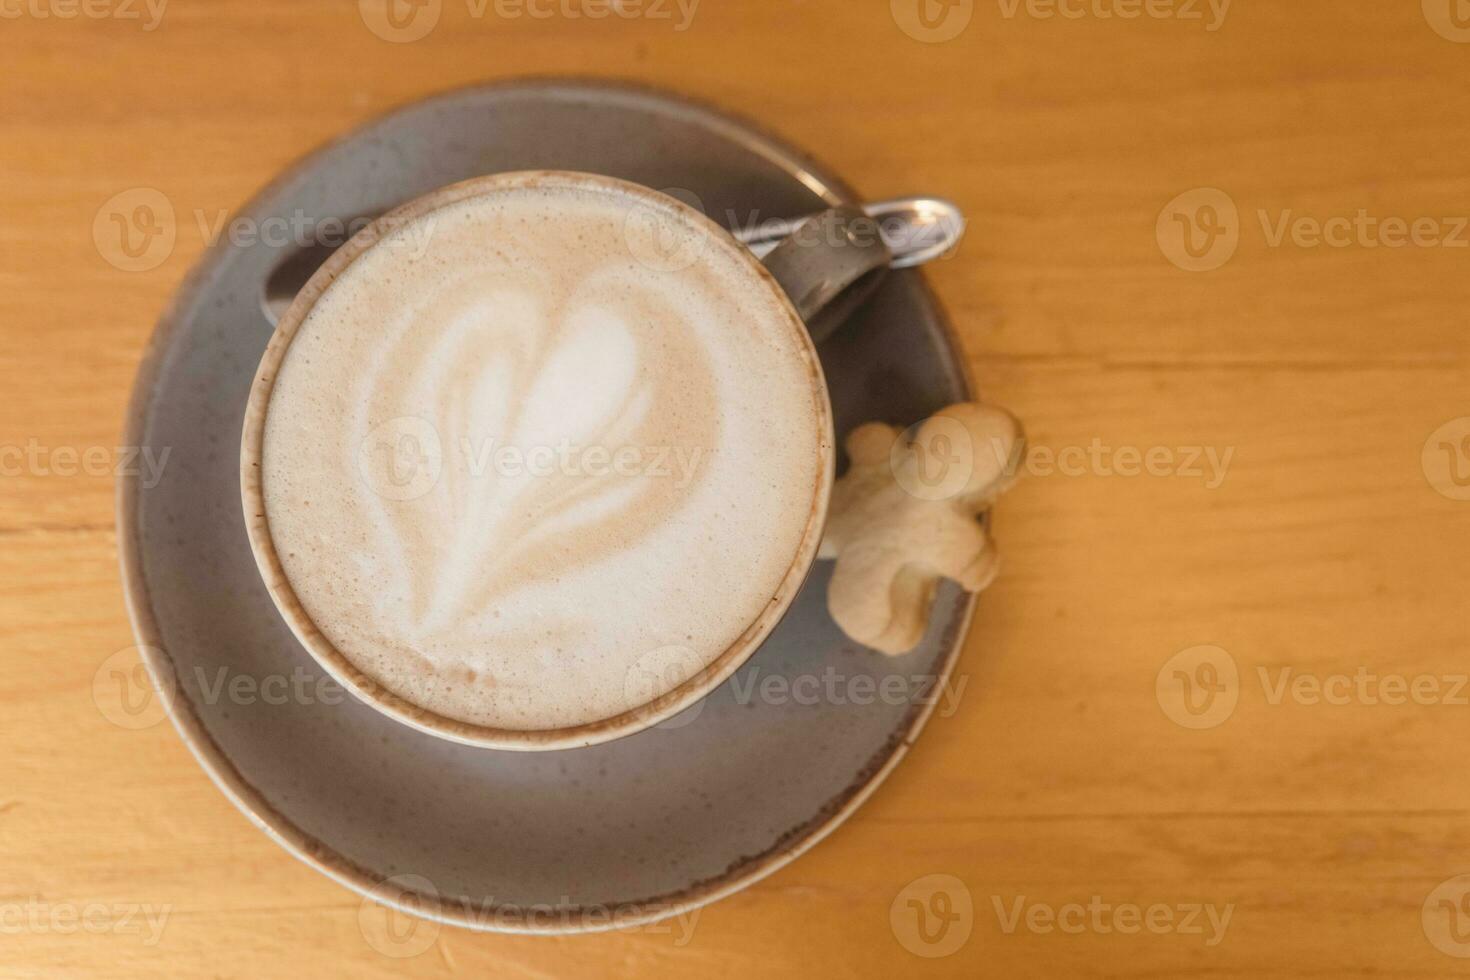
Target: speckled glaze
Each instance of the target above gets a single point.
(629, 831)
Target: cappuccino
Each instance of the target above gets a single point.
(542, 452)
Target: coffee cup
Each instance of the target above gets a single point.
(539, 459)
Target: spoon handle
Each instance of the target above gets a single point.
(915, 229)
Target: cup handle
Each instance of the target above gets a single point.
(829, 265)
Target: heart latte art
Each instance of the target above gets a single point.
(542, 453)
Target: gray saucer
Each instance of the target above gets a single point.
(636, 829)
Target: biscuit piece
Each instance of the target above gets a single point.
(908, 512)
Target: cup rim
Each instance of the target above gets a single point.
(367, 688)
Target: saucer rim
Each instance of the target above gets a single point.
(313, 852)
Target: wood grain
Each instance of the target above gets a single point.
(1322, 548)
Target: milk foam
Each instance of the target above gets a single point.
(528, 476)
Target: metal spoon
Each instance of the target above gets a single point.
(916, 230)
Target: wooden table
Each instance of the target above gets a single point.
(1328, 541)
